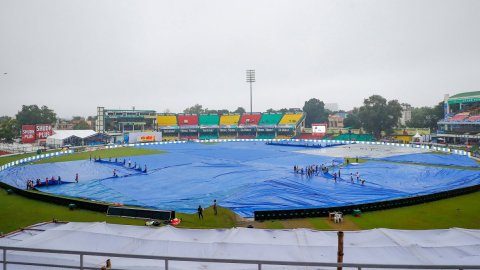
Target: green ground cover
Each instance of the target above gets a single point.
(462, 211)
(17, 211)
(104, 154)
(7, 159)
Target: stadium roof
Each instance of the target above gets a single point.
(466, 97)
(379, 246)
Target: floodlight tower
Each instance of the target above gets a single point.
(250, 79)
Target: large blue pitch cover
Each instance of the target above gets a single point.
(242, 176)
(435, 159)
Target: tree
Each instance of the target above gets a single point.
(315, 111)
(353, 120)
(32, 114)
(223, 111)
(7, 128)
(378, 115)
(271, 110)
(426, 117)
(195, 109)
(81, 124)
(240, 110)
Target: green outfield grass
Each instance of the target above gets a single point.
(7, 159)
(104, 154)
(462, 211)
(17, 212)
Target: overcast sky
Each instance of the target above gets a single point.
(76, 55)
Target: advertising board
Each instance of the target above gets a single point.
(42, 131)
(28, 133)
(318, 129)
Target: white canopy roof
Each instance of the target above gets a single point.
(64, 134)
(379, 246)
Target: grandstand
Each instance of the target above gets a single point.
(187, 119)
(167, 120)
(229, 120)
(168, 125)
(229, 126)
(267, 124)
(208, 120)
(269, 119)
(291, 119)
(188, 126)
(290, 125)
(248, 125)
(113, 121)
(208, 126)
(461, 123)
(250, 119)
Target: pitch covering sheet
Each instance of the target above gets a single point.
(242, 176)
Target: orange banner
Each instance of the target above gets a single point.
(147, 138)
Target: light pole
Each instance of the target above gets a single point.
(250, 79)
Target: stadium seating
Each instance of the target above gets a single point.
(169, 138)
(474, 118)
(166, 120)
(225, 137)
(250, 119)
(270, 119)
(208, 120)
(187, 120)
(460, 116)
(283, 137)
(188, 137)
(229, 120)
(290, 119)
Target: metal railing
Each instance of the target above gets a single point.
(165, 260)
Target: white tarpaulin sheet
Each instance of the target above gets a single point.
(379, 246)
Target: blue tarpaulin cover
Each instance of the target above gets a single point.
(242, 176)
(436, 159)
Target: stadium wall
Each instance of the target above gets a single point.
(350, 209)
